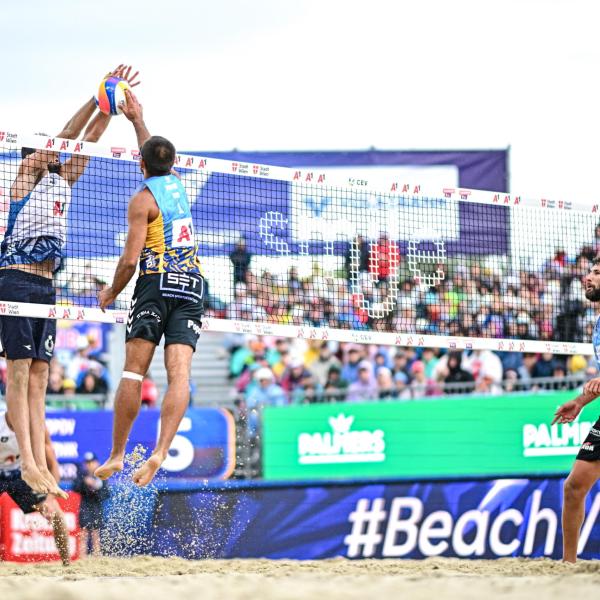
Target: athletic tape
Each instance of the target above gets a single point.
(130, 375)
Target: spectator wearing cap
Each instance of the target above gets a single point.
(420, 385)
(266, 393)
(93, 493)
(295, 375)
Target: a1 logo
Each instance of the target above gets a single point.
(183, 233)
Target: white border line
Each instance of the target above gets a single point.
(307, 177)
(382, 338)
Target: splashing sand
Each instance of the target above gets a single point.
(144, 578)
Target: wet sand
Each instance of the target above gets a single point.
(144, 578)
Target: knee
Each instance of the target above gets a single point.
(574, 489)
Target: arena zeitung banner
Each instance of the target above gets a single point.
(476, 436)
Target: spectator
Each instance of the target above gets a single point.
(357, 255)
(385, 384)
(295, 375)
(350, 369)
(384, 258)
(335, 387)
(93, 492)
(240, 258)
(321, 367)
(420, 385)
(91, 384)
(456, 374)
(266, 393)
(364, 388)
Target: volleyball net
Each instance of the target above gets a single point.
(304, 253)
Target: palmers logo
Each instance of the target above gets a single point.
(341, 445)
(554, 440)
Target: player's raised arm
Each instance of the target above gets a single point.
(75, 166)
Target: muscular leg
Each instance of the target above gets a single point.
(138, 355)
(579, 482)
(17, 384)
(178, 360)
(36, 396)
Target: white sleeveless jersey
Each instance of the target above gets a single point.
(42, 213)
(10, 455)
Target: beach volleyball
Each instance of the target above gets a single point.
(110, 95)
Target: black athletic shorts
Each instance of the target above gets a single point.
(590, 449)
(24, 497)
(22, 337)
(169, 304)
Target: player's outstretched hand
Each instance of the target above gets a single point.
(124, 72)
(567, 412)
(131, 108)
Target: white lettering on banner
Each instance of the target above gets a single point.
(62, 427)
(37, 543)
(474, 533)
(181, 451)
(341, 445)
(35, 522)
(556, 440)
(66, 449)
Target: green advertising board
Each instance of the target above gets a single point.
(446, 437)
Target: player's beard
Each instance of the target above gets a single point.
(593, 294)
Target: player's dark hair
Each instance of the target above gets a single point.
(159, 156)
(596, 261)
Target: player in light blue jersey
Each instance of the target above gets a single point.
(30, 253)
(586, 470)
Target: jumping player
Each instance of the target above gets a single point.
(586, 470)
(167, 300)
(30, 254)
(25, 498)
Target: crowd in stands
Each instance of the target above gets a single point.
(276, 372)
(476, 298)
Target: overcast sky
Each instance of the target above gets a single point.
(337, 74)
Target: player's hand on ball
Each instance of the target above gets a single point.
(592, 387)
(567, 412)
(131, 108)
(106, 297)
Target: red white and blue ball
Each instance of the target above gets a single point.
(111, 94)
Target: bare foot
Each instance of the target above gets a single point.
(53, 484)
(144, 475)
(35, 480)
(109, 468)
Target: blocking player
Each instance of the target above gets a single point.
(586, 469)
(30, 254)
(167, 300)
(27, 499)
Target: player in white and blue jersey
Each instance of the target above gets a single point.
(586, 469)
(30, 254)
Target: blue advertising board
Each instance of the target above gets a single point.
(204, 447)
(468, 519)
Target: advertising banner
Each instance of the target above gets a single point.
(462, 519)
(439, 438)
(29, 538)
(204, 447)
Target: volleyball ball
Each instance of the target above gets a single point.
(110, 95)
